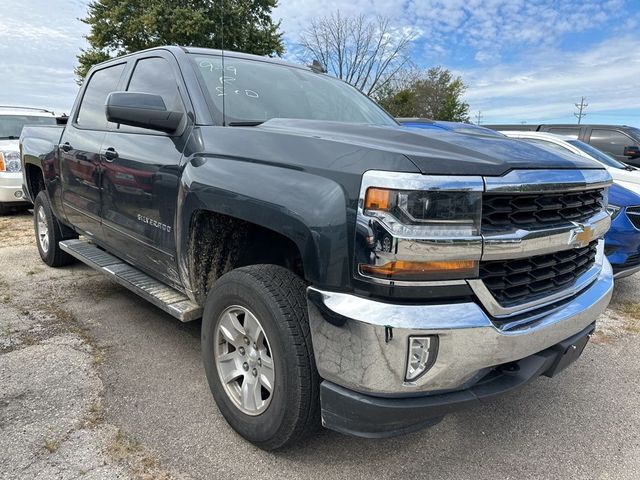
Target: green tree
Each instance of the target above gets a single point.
(436, 94)
(119, 27)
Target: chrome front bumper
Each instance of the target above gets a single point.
(361, 344)
(11, 188)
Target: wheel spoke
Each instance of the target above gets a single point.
(231, 329)
(230, 368)
(252, 327)
(267, 374)
(251, 394)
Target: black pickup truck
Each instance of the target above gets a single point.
(348, 272)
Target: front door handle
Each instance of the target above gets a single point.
(110, 154)
(66, 147)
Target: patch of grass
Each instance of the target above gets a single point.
(95, 414)
(631, 311)
(51, 444)
(28, 339)
(122, 446)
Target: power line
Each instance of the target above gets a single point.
(581, 106)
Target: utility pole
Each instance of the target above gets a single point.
(478, 117)
(581, 106)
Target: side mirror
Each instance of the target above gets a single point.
(143, 110)
(632, 152)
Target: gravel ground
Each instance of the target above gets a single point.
(96, 383)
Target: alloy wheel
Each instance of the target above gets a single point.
(244, 360)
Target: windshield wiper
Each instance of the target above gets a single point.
(253, 123)
(9, 137)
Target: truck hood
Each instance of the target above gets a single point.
(436, 152)
(10, 145)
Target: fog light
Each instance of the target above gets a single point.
(17, 194)
(421, 356)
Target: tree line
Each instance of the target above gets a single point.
(371, 54)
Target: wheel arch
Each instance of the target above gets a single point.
(290, 209)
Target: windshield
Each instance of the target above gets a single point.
(597, 154)
(11, 125)
(256, 91)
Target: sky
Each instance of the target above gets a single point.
(523, 61)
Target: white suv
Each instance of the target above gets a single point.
(12, 119)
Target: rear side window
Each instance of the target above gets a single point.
(566, 131)
(91, 114)
(610, 141)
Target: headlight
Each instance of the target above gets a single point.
(429, 230)
(10, 161)
(613, 211)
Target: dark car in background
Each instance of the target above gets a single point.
(620, 141)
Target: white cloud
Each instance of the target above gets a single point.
(487, 27)
(38, 52)
(546, 83)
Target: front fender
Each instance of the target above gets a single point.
(310, 210)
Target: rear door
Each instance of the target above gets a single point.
(80, 152)
(613, 142)
(141, 174)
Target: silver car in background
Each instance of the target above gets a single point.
(12, 119)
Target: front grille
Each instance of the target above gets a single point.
(633, 214)
(540, 210)
(522, 280)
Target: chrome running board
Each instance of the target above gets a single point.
(168, 299)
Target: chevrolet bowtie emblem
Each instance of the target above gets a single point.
(581, 236)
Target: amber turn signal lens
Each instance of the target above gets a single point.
(377, 199)
(2, 166)
(403, 270)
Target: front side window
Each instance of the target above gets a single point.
(154, 75)
(91, 114)
(11, 125)
(597, 154)
(610, 141)
(255, 91)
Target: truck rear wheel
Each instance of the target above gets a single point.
(49, 232)
(258, 356)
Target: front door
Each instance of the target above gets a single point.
(80, 153)
(140, 178)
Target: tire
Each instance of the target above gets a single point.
(47, 240)
(276, 298)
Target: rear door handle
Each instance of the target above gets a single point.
(110, 154)
(66, 147)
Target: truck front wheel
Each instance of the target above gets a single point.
(258, 356)
(49, 232)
